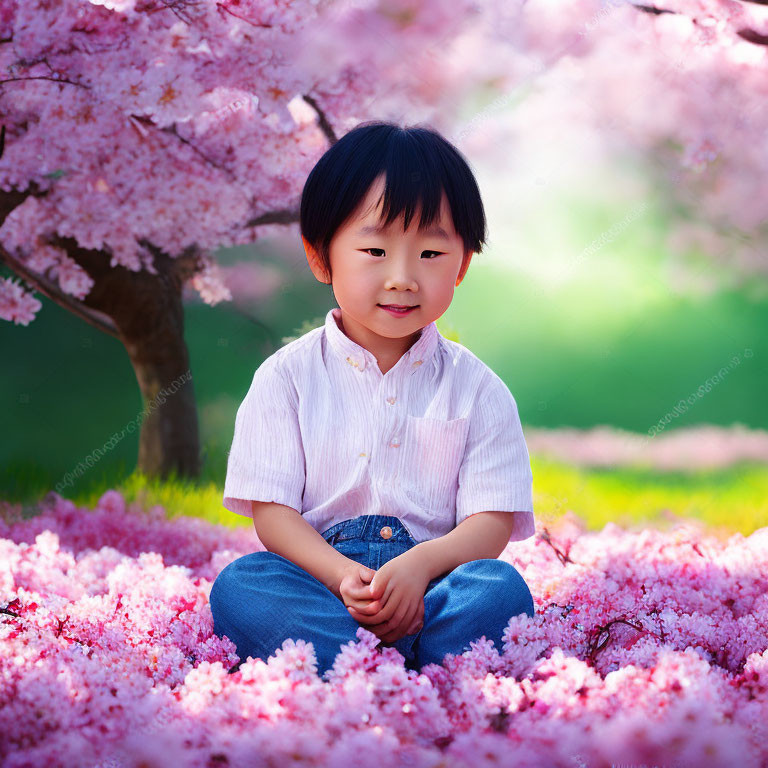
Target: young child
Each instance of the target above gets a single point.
(384, 466)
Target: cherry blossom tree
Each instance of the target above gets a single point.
(683, 84)
(139, 136)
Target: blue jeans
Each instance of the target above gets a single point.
(261, 599)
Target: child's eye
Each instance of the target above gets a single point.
(368, 250)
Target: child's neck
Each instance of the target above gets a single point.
(387, 351)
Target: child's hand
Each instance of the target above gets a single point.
(354, 588)
(399, 585)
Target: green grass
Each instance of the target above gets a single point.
(725, 501)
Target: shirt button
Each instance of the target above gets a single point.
(418, 362)
(395, 442)
(391, 400)
(386, 532)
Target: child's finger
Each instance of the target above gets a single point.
(404, 618)
(416, 626)
(363, 618)
(376, 592)
(417, 622)
(360, 597)
(366, 574)
(374, 588)
(364, 590)
(367, 608)
(400, 618)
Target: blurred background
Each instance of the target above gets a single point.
(637, 357)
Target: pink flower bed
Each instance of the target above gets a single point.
(701, 446)
(646, 648)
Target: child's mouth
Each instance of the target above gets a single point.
(394, 310)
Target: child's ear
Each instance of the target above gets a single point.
(464, 266)
(315, 262)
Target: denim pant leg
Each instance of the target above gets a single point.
(476, 598)
(261, 599)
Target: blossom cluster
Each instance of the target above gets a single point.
(645, 648)
(700, 446)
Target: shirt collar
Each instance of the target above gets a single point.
(358, 357)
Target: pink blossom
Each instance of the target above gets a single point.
(16, 304)
(700, 446)
(646, 647)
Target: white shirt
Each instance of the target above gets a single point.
(434, 440)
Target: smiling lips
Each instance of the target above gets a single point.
(398, 309)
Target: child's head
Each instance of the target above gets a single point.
(408, 183)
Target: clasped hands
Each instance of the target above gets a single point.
(390, 601)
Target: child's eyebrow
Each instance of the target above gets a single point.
(374, 229)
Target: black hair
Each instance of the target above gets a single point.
(419, 165)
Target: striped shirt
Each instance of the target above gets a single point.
(434, 440)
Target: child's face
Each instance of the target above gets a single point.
(393, 267)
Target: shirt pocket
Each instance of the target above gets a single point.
(429, 471)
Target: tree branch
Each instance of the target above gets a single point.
(174, 132)
(43, 77)
(47, 287)
(751, 36)
(284, 216)
(651, 9)
(181, 268)
(325, 125)
(41, 283)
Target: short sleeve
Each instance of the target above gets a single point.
(495, 474)
(266, 460)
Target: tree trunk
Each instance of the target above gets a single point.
(169, 439)
(148, 314)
